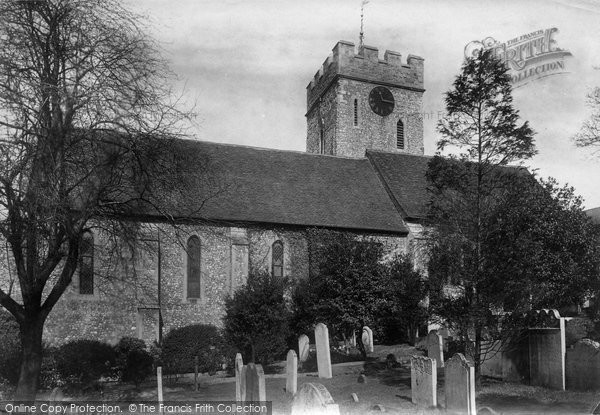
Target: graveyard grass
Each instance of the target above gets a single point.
(387, 386)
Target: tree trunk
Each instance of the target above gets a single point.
(477, 355)
(31, 358)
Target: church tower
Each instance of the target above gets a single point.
(357, 101)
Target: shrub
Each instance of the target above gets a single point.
(134, 362)
(257, 318)
(84, 361)
(49, 376)
(10, 348)
(181, 345)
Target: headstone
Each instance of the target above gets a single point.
(239, 364)
(196, 373)
(435, 347)
(459, 386)
(159, 384)
(367, 339)
(362, 378)
(353, 339)
(547, 349)
(253, 383)
(303, 348)
(291, 373)
(57, 395)
(314, 398)
(423, 381)
(583, 365)
(354, 397)
(323, 353)
(391, 361)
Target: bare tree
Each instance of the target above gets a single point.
(85, 106)
(589, 134)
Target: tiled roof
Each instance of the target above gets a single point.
(404, 177)
(293, 188)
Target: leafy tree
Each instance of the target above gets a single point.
(538, 250)
(256, 318)
(544, 246)
(346, 286)
(482, 125)
(84, 94)
(405, 291)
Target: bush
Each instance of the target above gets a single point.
(181, 345)
(10, 348)
(84, 361)
(49, 375)
(257, 319)
(134, 362)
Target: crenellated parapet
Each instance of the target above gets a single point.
(366, 66)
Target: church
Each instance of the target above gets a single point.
(363, 171)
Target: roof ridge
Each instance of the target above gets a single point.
(278, 150)
(370, 150)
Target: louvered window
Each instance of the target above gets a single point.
(400, 135)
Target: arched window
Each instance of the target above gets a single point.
(400, 135)
(86, 264)
(355, 112)
(193, 267)
(277, 259)
(322, 142)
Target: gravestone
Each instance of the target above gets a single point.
(547, 349)
(314, 398)
(323, 354)
(435, 347)
(303, 348)
(367, 339)
(583, 365)
(459, 386)
(291, 373)
(253, 383)
(423, 381)
(353, 339)
(57, 395)
(239, 364)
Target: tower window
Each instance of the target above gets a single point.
(400, 135)
(86, 264)
(355, 112)
(193, 267)
(277, 259)
(322, 142)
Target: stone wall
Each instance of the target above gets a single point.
(125, 302)
(125, 299)
(346, 76)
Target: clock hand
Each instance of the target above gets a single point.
(383, 99)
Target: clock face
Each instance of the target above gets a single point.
(381, 101)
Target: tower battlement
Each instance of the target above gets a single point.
(367, 66)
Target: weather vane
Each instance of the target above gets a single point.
(362, 34)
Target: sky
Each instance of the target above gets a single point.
(246, 64)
